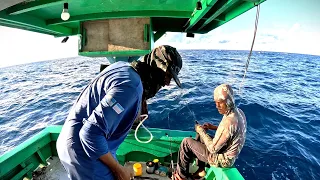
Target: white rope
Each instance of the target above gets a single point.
(249, 56)
(145, 117)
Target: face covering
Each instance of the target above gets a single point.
(152, 78)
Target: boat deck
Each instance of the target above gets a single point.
(55, 171)
(144, 174)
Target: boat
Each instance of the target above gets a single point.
(37, 157)
(102, 27)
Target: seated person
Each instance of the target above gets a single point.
(224, 148)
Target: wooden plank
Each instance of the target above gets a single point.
(121, 14)
(23, 172)
(4, 4)
(34, 22)
(32, 5)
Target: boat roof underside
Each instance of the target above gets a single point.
(43, 16)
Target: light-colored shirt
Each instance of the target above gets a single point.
(228, 141)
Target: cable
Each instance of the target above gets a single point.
(145, 117)
(249, 56)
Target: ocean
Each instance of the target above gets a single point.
(280, 98)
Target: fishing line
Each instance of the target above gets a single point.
(170, 140)
(178, 97)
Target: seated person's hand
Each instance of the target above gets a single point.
(198, 128)
(209, 126)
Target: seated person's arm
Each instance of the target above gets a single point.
(220, 139)
(209, 126)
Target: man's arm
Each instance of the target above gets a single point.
(119, 171)
(209, 126)
(220, 139)
(115, 108)
(95, 144)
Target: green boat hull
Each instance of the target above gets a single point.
(20, 162)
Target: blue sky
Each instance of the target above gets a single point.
(284, 26)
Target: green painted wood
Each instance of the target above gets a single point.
(33, 5)
(242, 8)
(23, 164)
(169, 24)
(223, 174)
(26, 152)
(227, 5)
(43, 16)
(235, 12)
(23, 172)
(36, 23)
(25, 27)
(146, 33)
(4, 4)
(54, 129)
(159, 147)
(87, 7)
(22, 152)
(114, 53)
(210, 174)
(54, 136)
(206, 6)
(84, 38)
(122, 14)
(43, 159)
(158, 35)
(151, 36)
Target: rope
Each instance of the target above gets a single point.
(249, 56)
(145, 117)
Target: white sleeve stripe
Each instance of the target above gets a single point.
(118, 108)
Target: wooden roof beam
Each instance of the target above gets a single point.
(34, 23)
(4, 4)
(33, 5)
(222, 19)
(200, 13)
(227, 5)
(121, 14)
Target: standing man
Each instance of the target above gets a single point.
(103, 114)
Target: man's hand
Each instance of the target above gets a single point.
(198, 128)
(209, 126)
(117, 169)
(123, 173)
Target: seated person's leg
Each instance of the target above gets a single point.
(200, 164)
(190, 149)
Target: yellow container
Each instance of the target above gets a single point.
(137, 168)
(156, 164)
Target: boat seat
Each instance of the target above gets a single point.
(214, 173)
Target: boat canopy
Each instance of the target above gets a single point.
(52, 17)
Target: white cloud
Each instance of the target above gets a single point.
(293, 40)
(18, 47)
